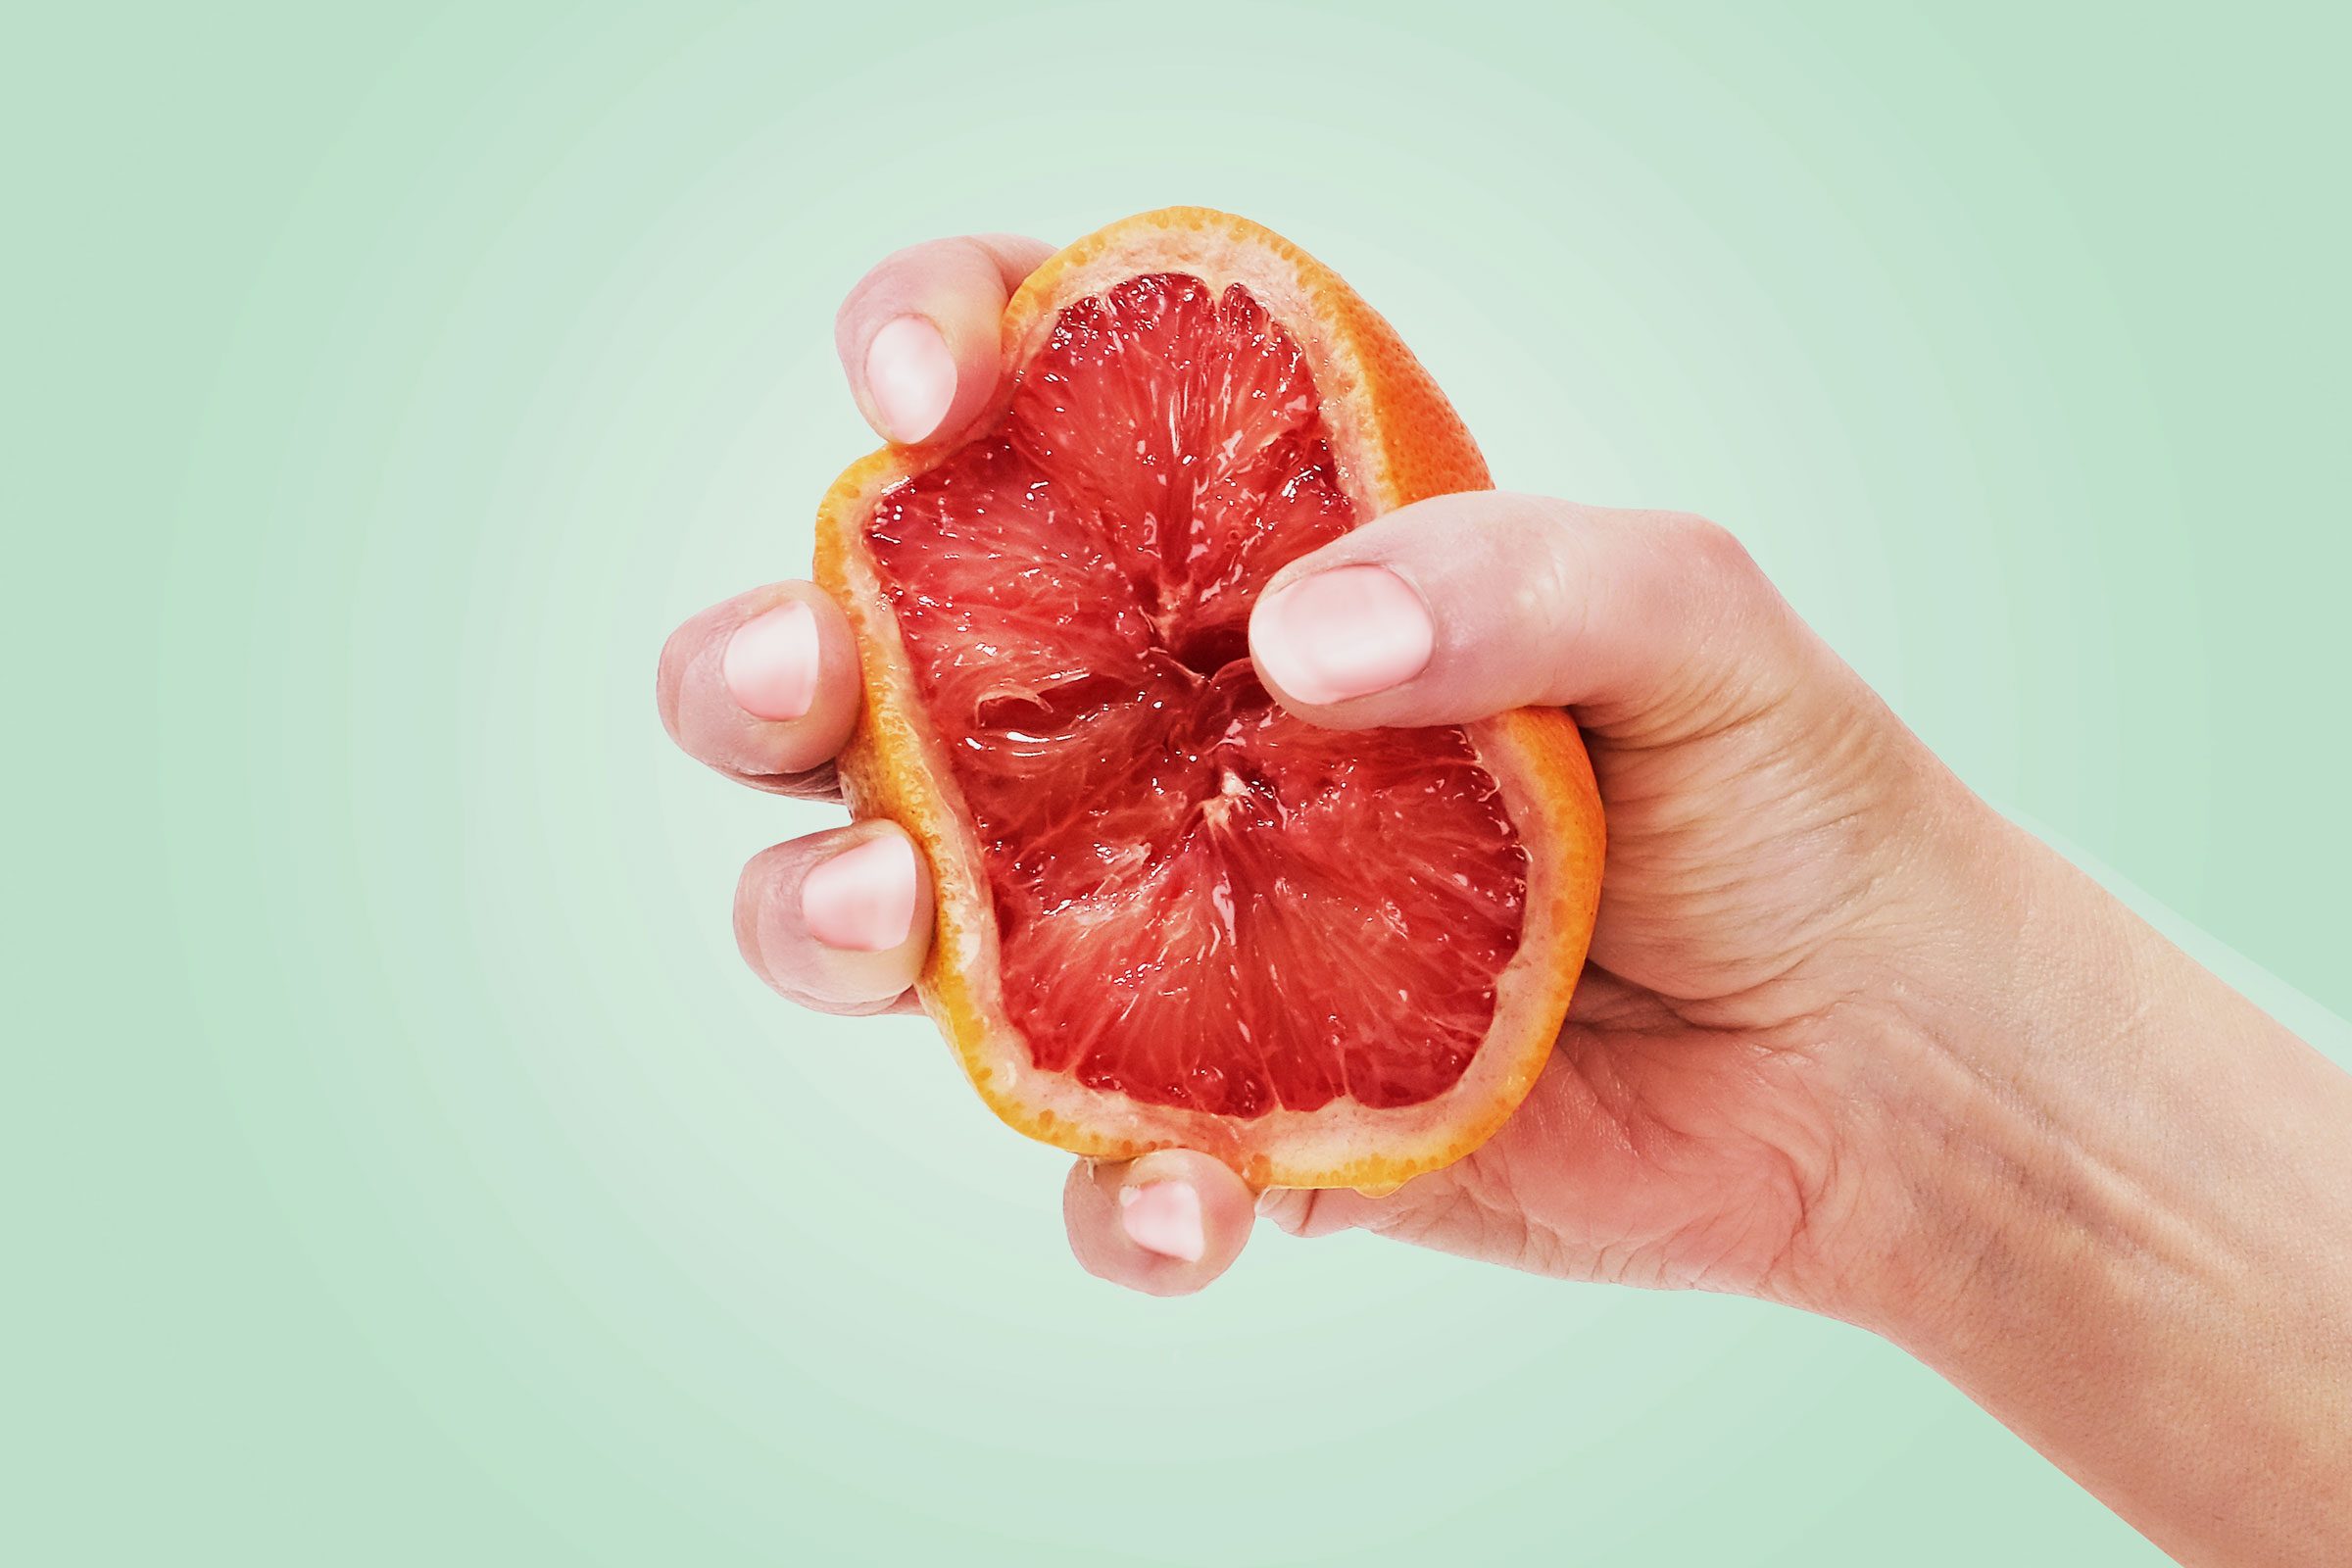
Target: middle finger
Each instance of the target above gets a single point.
(763, 688)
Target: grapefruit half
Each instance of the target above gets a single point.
(1168, 912)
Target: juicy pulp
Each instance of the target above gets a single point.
(1201, 901)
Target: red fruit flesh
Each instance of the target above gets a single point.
(1201, 901)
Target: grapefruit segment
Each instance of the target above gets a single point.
(1170, 912)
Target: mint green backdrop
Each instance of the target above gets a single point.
(406, 1170)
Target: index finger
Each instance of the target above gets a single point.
(919, 335)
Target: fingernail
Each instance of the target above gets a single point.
(863, 899)
(912, 377)
(1164, 1217)
(770, 662)
(1347, 632)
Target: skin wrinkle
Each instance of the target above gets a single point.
(817, 784)
(2014, 1098)
(1782, 1209)
(1779, 1201)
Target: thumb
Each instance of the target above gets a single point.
(1466, 606)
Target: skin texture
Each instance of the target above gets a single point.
(1848, 1041)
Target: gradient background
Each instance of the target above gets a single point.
(406, 1169)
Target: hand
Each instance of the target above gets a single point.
(1846, 1039)
(1686, 1131)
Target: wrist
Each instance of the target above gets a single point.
(2109, 1198)
(2013, 1114)
(1937, 1153)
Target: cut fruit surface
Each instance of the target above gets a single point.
(1171, 913)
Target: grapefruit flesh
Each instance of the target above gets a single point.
(1188, 891)
(1169, 911)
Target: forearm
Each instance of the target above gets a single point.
(2125, 1220)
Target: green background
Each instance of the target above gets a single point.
(407, 1171)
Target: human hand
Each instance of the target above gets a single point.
(1684, 1132)
(1847, 1038)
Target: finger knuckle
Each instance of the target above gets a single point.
(1710, 546)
